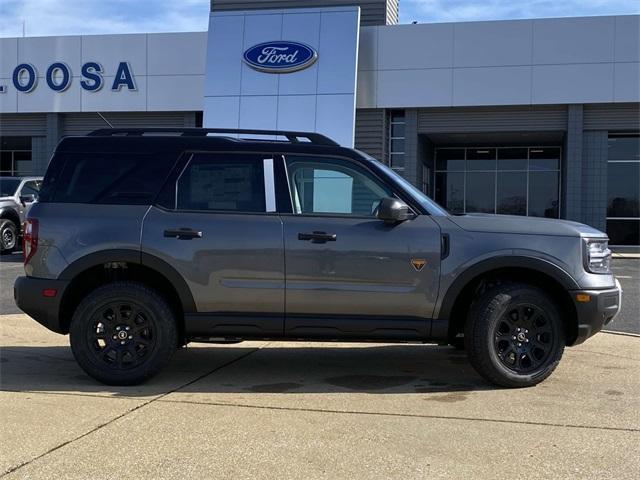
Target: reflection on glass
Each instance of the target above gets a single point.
(624, 148)
(480, 192)
(397, 130)
(544, 159)
(623, 189)
(512, 193)
(450, 191)
(397, 160)
(451, 159)
(512, 158)
(481, 159)
(543, 194)
(623, 232)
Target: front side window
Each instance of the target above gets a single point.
(331, 186)
(31, 187)
(223, 183)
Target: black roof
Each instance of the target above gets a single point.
(149, 140)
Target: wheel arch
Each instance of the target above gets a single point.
(8, 213)
(99, 268)
(538, 272)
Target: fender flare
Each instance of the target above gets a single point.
(135, 257)
(495, 263)
(8, 213)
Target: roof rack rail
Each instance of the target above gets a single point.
(292, 137)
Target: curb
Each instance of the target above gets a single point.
(624, 334)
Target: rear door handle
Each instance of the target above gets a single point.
(318, 237)
(182, 233)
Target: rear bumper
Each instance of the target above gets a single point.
(27, 292)
(599, 311)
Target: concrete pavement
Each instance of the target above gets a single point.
(302, 410)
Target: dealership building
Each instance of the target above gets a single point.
(533, 117)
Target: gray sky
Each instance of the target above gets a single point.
(73, 17)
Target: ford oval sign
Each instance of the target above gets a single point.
(280, 57)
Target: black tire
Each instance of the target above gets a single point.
(9, 234)
(514, 335)
(123, 333)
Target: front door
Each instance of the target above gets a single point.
(348, 273)
(218, 228)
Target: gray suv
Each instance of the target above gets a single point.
(17, 194)
(144, 240)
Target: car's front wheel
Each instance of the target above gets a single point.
(514, 335)
(8, 236)
(123, 333)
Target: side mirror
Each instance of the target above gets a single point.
(392, 210)
(27, 198)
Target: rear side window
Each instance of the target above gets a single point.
(222, 182)
(103, 178)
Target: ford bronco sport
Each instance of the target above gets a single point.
(146, 239)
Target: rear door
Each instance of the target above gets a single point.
(217, 226)
(348, 273)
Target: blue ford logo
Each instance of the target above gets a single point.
(280, 57)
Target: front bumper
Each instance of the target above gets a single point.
(28, 294)
(599, 311)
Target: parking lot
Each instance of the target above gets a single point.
(301, 410)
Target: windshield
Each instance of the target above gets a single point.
(429, 205)
(8, 186)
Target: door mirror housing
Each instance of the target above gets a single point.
(392, 210)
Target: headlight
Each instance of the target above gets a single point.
(598, 256)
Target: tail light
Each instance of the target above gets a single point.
(29, 239)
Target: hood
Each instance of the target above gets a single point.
(481, 222)
(7, 200)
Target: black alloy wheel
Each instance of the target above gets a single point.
(123, 333)
(523, 338)
(514, 334)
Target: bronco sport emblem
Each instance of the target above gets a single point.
(418, 263)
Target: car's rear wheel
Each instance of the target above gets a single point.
(123, 333)
(8, 236)
(514, 335)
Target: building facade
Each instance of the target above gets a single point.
(529, 117)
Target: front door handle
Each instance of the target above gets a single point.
(183, 233)
(318, 237)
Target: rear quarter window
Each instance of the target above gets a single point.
(103, 178)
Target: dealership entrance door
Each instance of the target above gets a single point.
(510, 180)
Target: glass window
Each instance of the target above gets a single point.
(499, 180)
(222, 182)
(481, 159)
(623, 189)
(395, 140)
(333, 186)
(480, 192)
(450, 191)
(123, 179)
(31, 188)
(512, 193)
(623, 232)
(451, 159)
(544, 159)
(512, 158)
(8, 186)
(543, 194)
(624, 148)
